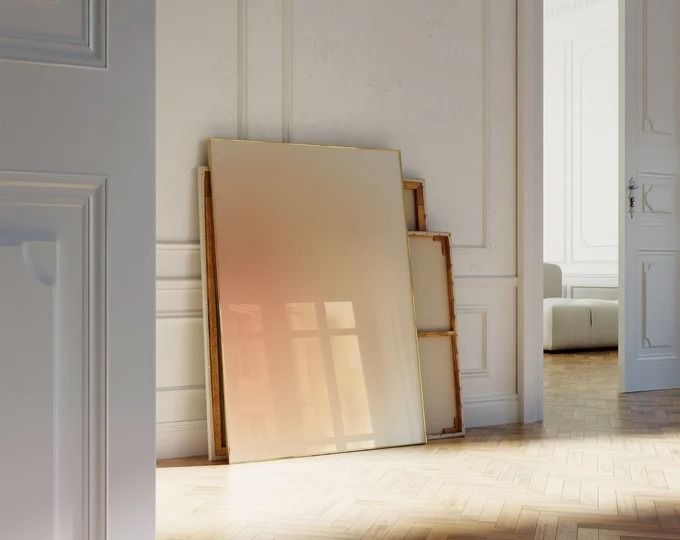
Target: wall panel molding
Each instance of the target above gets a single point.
(181, 414)
(486, 130)
(287, 70)
(178, 298)
(491, 410)
(181, 439)
(178, 260)
(326, 72)
(486, 316)
(581, 157)
(477, 314)
(242, 70)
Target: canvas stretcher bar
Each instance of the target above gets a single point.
(414, 204)
(217, 429)
(432, 273)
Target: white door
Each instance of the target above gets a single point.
(649, 319)
(77, 269)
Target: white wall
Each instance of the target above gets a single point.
(581, 143)
(435, 79)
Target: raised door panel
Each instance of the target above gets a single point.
(53, 368)
(659, 284)
(658, 124)
(62, 32)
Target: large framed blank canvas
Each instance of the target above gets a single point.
(319, 344)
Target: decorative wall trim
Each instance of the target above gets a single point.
(87, 50)
(486, 130)
(530, 208)
(483, 311)
(178, 298)
(578, 221)
(491, 410)
(181, 439)
(570, 61)
(570, 6)
(486, 281)
(242, 70)
(178, 260)
(174, 388)
(287, 69)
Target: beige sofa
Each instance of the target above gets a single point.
(570, 323)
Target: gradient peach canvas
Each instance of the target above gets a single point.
(318, 332)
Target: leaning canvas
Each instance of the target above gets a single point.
(318, 336)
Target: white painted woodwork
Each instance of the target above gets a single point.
(77, 269)
(70, 32)
(484, 309)
(434, 78)
(318, 341)
(52, 385)
(581, 138)
(650, 310)
(530, 209)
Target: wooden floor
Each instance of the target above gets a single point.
(601, 466)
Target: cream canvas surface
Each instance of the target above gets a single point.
(317, 319)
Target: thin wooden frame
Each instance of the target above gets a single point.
(445, 240)
(214, 373)
(416, 185)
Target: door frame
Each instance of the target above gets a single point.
(530, 209)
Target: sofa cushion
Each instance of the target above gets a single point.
(579, 323)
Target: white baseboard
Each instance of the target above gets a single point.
(190, 438)
(491, 411)
(181, 439)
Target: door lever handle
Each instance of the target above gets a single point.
(632, 187)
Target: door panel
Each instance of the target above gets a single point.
(650, 307)
(52, 265)
(77, 269)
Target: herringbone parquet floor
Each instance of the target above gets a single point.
(600, 466)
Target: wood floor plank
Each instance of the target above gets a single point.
(601, 466)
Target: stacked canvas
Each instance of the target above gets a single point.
(310, 326)
(432, 274)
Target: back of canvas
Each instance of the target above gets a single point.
(318, 332)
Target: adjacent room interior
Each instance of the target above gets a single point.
(580, 196)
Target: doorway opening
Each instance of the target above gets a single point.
(580, 198)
